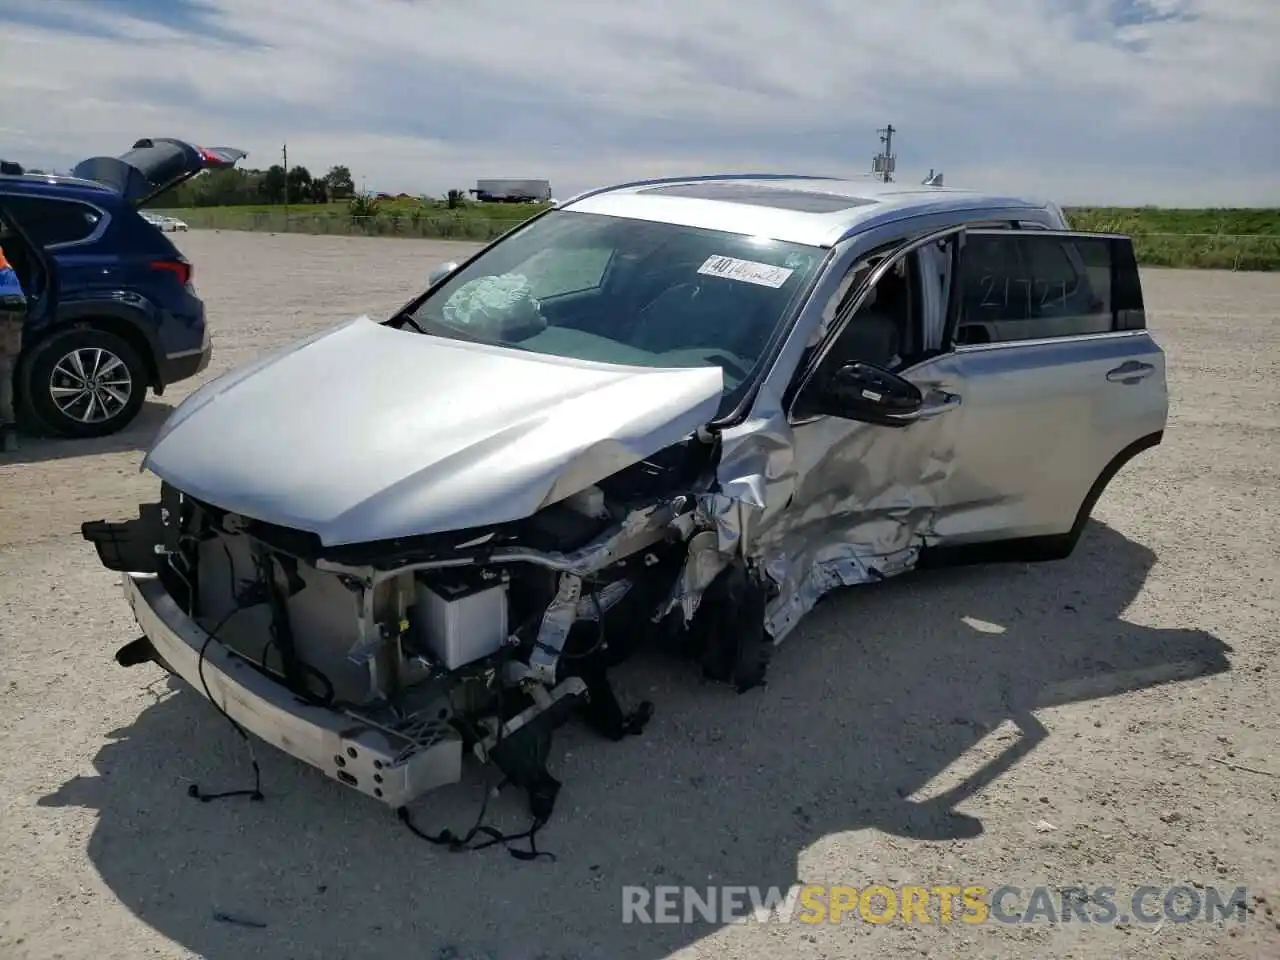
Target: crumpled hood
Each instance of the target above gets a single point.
(366, 433)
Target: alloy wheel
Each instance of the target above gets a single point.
(90, 385)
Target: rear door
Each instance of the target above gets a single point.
(1064, 384)
(154, 166)
(28, 277)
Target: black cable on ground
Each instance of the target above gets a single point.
(194, 789)
(455, 844)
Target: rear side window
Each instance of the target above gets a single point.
(1020, 286)
(49, 221)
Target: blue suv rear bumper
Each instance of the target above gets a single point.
(184, 364)
(182, 346)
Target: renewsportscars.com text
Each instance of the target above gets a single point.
(938, 904)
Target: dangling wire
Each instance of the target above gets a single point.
(194, 790)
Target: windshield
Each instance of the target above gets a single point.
(613, 290)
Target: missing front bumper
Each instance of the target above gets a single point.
(342, 746)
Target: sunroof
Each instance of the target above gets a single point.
(756, 195)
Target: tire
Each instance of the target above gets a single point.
(52, 369)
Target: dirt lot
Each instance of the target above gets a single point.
(987, 727)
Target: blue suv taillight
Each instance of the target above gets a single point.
(178, 266)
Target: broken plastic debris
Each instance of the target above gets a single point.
(982, 626)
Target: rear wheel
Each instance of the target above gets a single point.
(86, 383)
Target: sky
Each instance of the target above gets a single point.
(1167, 102)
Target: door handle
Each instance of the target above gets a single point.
(1129, 372)
(927, 411)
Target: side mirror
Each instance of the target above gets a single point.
(440, 272)
(871, 394)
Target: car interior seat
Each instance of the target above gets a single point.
(876, 333)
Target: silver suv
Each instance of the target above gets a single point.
(674, 412)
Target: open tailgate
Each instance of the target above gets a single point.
(154, 166)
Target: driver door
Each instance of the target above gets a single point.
(867, 492)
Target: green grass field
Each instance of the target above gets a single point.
(1227, 239)
(1230, 239)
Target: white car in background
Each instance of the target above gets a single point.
(165, 224)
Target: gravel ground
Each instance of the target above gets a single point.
(989, 726)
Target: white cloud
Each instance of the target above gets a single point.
(1083, 100)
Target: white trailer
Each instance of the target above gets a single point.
(513, 191)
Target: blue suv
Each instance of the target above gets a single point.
(111, 309)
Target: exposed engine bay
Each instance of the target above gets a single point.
(478, 641)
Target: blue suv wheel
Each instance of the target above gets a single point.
(84, 382)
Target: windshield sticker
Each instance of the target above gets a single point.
(746, 271)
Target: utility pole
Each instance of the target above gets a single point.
(284, 153)
(885, 161)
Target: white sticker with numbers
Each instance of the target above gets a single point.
(746, 271)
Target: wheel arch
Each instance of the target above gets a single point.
(132, 334)
(133, 330)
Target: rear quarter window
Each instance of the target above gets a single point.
(51, 221)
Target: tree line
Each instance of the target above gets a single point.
(237, 187)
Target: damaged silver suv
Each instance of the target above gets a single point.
(675, 412)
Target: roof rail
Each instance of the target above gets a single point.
(999, 207)
(701, 178)
(10, 168)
